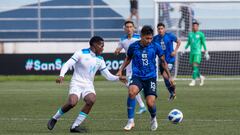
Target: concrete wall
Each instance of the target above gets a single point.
(70, 47)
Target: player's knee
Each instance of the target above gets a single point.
(132, 94)
(90, 102)
(72, 103)
(133, 91)
(90, 99)
(150, 102)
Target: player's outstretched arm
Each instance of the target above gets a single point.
(124, 65)
(112, 77)
(64, 70)
(165, 67)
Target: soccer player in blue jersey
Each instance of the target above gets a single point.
(166, 40)
(143, 54)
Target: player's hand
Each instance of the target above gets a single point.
(173, 54)
(117, 52)
(60, 80)
(123, 79)
(207, 56)
(172, 82)
(119, 73)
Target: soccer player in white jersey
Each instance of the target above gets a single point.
(124, 43)
(87, 62)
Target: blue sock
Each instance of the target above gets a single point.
(168, 85)
(153, 111)
(131, 103)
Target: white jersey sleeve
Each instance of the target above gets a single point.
(76, 56)
(105, 72)
(120, 45)
(73, 60)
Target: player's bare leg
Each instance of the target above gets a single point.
(151, 103)
(171, 89)
(131, 103)
(89, 102)
(72, 101)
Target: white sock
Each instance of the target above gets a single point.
(154, 119)
(58, 114)
(131, 120)
(81, 117)
(139, 100)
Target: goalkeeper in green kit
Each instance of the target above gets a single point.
(196, 40)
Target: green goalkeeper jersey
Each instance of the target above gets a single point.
(196, 40)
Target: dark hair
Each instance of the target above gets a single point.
(161, 24)
(147, 30)
(195, 22)
(95, 39)
(125, 23)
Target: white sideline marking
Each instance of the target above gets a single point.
(212, 79)
(115, 119)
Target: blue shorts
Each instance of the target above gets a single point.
(148, 86)
(170, 67)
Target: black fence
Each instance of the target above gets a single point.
(220, 63)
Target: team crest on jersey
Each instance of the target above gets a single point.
(163, 45)
(86, 59)
(197, 36)
(98, 63)
(144, 55)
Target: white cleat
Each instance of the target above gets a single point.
(193, 83)
(154, 124)
(129, 126)
(141, 110)
(202, 78)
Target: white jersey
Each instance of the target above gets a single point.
(86, 64)
(124, 44)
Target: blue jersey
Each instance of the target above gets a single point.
(144, 59)
(166, 43)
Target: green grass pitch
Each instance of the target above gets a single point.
(26, 106)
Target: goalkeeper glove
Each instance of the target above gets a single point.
(207, 56)
(183, 51)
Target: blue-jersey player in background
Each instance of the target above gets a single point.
(166, 40)
(143, 56)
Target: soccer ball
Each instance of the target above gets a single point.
(175, 116)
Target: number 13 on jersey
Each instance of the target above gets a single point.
(145, 59)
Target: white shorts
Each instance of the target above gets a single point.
(81, 92)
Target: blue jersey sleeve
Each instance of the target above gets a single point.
(173, 37)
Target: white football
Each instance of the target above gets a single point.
(175, 116)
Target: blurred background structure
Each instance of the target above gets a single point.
(64, 26)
